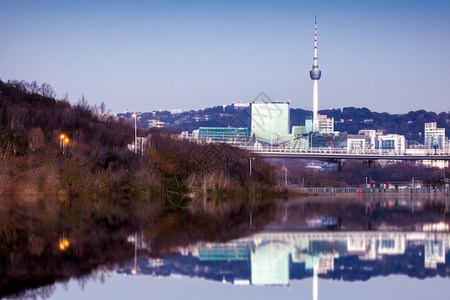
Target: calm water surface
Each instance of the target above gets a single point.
(308, 248)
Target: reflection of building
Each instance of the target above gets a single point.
(275, 258)
(270, 264)
(434, 253)
(270, 254)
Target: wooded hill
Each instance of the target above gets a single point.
(97, 161)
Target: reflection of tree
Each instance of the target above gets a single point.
(30, 256)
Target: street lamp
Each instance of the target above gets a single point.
(285, 175)
(135, 132)
(64, 140)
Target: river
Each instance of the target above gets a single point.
(361, 247)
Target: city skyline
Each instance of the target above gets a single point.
(144, 56)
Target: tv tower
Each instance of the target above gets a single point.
(315, 74)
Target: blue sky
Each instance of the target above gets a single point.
(388, 56)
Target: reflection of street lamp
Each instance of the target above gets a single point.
(250, 160)
(285, 175)
(135, 132)
(445, 180)
(63, 243)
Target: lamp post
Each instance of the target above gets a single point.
(135, 132)
(285, 175)
(64, 140)
(61, 137)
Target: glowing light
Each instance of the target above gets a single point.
(63, 244)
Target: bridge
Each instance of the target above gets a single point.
(336, 155)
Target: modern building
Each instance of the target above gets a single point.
(435, 137)
(337, 140)
(326, 125)
(356, 142)
(230, 135)
(270, 122)
(391, 142)
(371, 136)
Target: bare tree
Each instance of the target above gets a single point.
(33, 87)
(101, 112)
(47, 91)
(82, 102)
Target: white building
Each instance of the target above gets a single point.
(356, 142)
(391, 142)
(435, 137)
(326, 125)
(371, 136)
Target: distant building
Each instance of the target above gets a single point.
(270, 121)
(241, 105)
(391, 142)
(232, 135)
(356, 142)
(435, 137)
(371, 136)
(155, 124)
(441, 164)
(326, 140)
(326, 125)
(184, 135)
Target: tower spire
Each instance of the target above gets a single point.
(315, 74)
(315, 41)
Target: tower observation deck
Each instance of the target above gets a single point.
(315, 75)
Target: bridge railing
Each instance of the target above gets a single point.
(362, 152)
(372, 191)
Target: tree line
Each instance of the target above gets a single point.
(97, 159)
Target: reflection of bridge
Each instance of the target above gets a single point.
(269, 251)
(327, 154)
(276, 257)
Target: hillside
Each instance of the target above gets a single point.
(95, 161)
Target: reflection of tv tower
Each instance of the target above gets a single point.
(315, 284)
(315, 74)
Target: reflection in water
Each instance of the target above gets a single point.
(252, 244)
(345, 240)
(274, 258)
